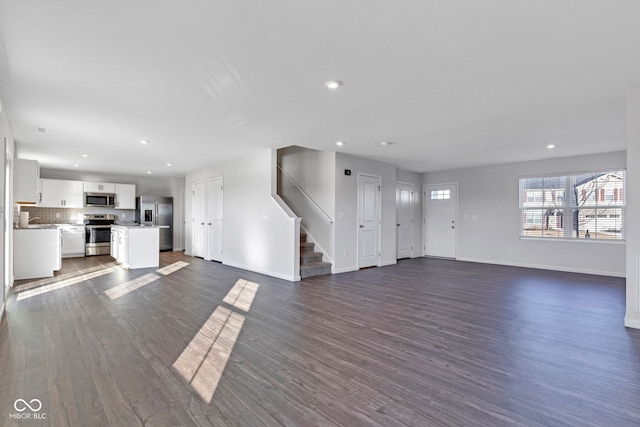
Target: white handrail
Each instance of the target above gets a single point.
(313, 203)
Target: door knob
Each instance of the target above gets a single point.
(397, 225)
(453, 226)
(362, 226)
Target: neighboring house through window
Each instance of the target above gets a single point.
(579, 206)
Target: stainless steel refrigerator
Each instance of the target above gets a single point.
(157, 211)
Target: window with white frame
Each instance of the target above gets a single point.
(440, 194)
(579, 206)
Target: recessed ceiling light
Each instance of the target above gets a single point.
(551, 146)
(334, 84)
(168, 164)
(85, 155)
(76, 166)
(339, 143)
(149, 172)
(144, 141)
(385, 143)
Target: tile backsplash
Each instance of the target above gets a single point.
(70, 215)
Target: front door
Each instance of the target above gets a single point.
(368, 220)
(404, 220)
(199, 218)
(440, 211)
(214, 221)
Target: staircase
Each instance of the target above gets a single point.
(310, 261)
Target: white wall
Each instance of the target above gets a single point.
(177, 192)
(5, 231)
(415, 179)
(6, 213)
(346, 228)
(632, 316)
(258, 235)
(314, 172)
(491, 194)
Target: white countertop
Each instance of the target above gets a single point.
(38, 227)
(138, 226)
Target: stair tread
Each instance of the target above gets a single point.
(311, 263)
(317, 268)
(315, 264)
(310, 254)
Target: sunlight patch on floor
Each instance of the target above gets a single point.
(242, 294)
(64, 283)
(132, 285)
(172, 267)
(55, 279)
(202, 363)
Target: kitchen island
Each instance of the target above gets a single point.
(136, 246)
(36, 251)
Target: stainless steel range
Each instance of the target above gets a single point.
(98, 234)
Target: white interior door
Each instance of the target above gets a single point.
(199, 219)
(368, 220)
(404, 220)
(214, 221)
(440, 210)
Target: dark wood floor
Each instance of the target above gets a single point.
(426, 342)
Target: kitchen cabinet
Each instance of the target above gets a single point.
(137, 246)
(61, 193)
(125, 196)
(99, 187)
(117, 243)
(36, 252)
(26, 178)
(73, 241)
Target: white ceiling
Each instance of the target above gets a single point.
(451, 83)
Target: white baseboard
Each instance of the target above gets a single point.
(391, 262)
(547, 267)
(291, 278)
(343, 270)
(631, 323)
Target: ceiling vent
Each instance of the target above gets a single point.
(41, 129)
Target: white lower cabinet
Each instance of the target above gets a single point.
(73, 241)
(136, 246)
(36, 252)
(114, 244)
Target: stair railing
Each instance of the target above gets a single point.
(306, 196)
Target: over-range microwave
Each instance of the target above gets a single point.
(100, 199)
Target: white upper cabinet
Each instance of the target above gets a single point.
(99, 187)
(61, 193)
(26, 178)
(125, 196)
